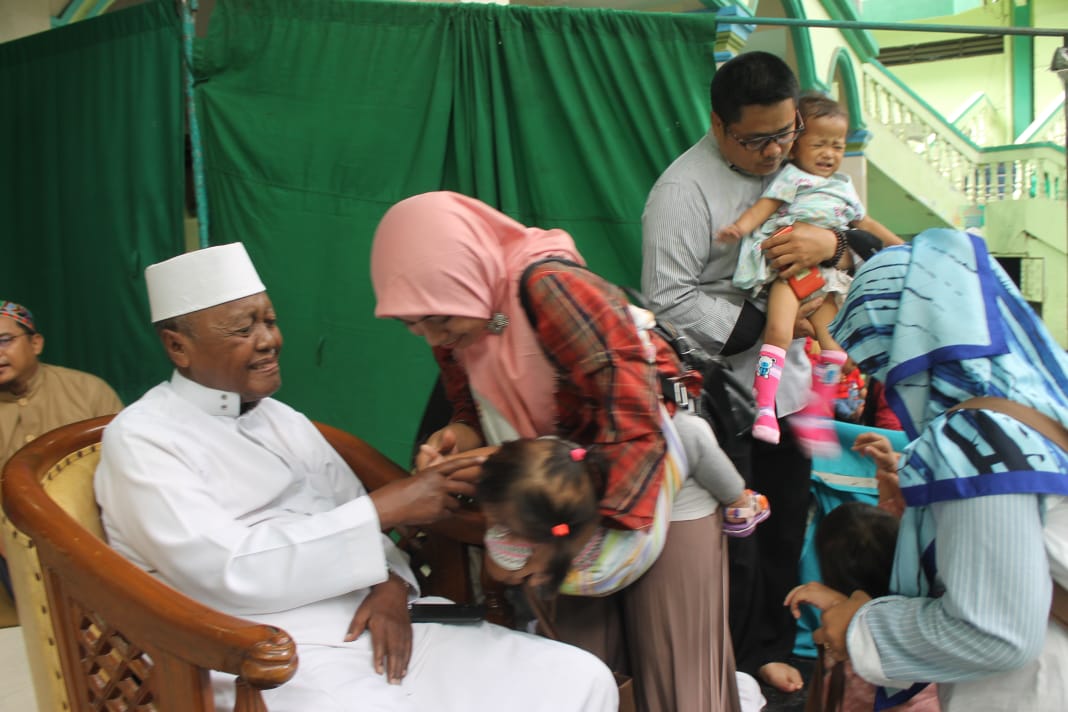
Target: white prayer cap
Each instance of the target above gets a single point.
(201, 279)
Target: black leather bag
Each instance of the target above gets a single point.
(726, 402)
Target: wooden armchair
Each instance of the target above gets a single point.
(103, 634)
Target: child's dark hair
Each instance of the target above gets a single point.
(545, 483)
(815, 105)
(855, 545)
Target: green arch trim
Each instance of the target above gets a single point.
(843, 63)
(861, 41)
(806, 64)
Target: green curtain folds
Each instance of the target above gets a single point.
(319, 115)
(91, 185)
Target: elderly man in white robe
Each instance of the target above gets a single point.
(235, 499)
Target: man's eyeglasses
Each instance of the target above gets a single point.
(759, 143)
(7, 339)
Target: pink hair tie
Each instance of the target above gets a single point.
(561, 530)
(578, 454)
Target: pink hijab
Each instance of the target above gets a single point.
(446, 254)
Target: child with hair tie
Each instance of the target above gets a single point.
(540, 499)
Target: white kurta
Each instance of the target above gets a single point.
(256, 515)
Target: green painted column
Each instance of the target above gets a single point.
(806, 66)
(1023, 70)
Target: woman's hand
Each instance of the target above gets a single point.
(453, 438)
(835, 624)
(470, 473)
(814, 594)
(878, 448)
(385, 613)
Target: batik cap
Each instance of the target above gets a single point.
(17, 312)
(201, 279)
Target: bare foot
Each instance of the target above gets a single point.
(781, 676)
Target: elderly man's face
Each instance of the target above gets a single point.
(232, 347)
(744, 143)
(18, 355)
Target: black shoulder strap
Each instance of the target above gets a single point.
(524, 295)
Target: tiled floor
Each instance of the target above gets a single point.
(16, 689)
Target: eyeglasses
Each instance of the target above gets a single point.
(7, 339)
(759, 143)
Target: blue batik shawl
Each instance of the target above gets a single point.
(939, 322)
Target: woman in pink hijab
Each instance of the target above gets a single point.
(465, 277)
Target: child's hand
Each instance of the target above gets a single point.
(731, 233)
(813, 594)
(878, 448)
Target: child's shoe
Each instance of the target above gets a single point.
(766, 426)
(814, 430)
(742, 521)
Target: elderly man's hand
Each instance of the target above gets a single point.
(803, 246)
(385, 613)
(429, 494)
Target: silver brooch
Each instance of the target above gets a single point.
(496, 323)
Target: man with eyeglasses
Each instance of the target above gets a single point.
(37, 397)
(686, 276)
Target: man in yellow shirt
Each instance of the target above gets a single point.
(37, 397)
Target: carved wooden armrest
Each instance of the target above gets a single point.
(121, 633)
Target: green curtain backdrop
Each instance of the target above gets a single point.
(319, 115)
(91, 185)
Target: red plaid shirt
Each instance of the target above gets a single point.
(607, 395)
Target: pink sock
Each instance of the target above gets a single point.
(768, 374)
(814, 425)
(765, 386)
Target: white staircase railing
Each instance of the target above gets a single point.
(980, 121)
(981, 175)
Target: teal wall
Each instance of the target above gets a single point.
(905, 10)
(957, 80)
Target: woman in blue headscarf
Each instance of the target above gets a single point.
(985, 533)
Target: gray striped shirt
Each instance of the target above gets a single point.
(686, 274)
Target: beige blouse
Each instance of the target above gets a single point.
(56, 396)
